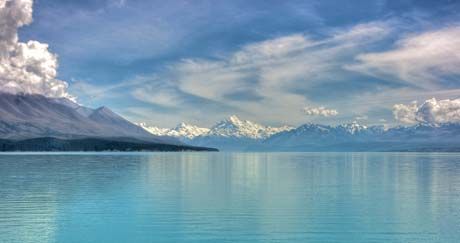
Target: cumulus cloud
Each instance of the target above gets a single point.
(423, 60)
(431, 111)
(406, 113)
(320, 111)
(25, 67)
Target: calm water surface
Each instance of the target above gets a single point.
(234, 197)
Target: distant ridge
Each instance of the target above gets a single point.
(234, 134)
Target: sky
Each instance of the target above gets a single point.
(272, 62)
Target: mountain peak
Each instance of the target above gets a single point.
(67, 102)
(104, 109)
(183, 125)
(236, 127)
(234, 120)
(353, 127)
(182, 130)
(231, 127)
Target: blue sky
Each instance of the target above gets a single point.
(274, 62)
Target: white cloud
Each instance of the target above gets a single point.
(271, 49)
(405, 113)
(431, 111)
(271, 72)
(423, 59)
(361, 118)
(162, 96)
(269, 67)
(320, 111)
(25, 67)
(118, 3)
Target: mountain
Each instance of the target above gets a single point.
(355, 137)
(231, 134)
(237, 128)
(183, 131)
(234, 134)
(27, 116)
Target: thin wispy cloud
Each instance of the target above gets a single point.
(425, 60)
(202, 61)
(268, 73)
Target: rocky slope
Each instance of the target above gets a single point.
(26, 116)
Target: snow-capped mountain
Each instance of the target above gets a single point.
(352, 128)
(234, 134)
(24, 116)
(235, 127)
(355, 137)
(183, 130)
(229, 134)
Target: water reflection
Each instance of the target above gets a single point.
(228, 197)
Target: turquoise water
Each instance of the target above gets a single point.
(234, 197)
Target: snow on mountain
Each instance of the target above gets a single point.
(183, 130)
(229, 134)
(230, 127)
(234, 134)
(188, 131)
(352, 128)
(154, 130)
(356, 137)
(235, 127)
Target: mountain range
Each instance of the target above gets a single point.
(59, 121)
(231, 134)
(36, 123)
(234, 134)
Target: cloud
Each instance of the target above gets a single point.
(431, 111)
(270, 66)
(119, 3)
(25, 67)
(168, 97)
(424, 60)
(406, 113)
(320, 111)
(361, 118)
(271, 73)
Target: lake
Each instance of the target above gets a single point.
(230, 197)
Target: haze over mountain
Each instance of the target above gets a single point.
(234, 134)
(355, 137)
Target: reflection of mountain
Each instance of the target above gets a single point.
(235, 134)
(60, 121)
